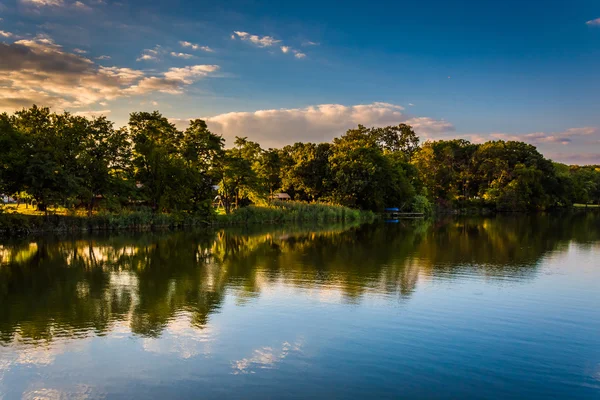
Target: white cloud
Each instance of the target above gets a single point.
(182, 55)
(151, 54)
(43, 3)
(80, 51)
(5, 34)
(194, 46)
(103, 58)
(594, 22)
(309, 43)
(41, 72)
(264, 41)
(267, 41)
(318, 123)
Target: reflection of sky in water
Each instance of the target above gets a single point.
(283, 315)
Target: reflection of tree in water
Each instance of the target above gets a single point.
(72, 288)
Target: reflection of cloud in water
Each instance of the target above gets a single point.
(182, 339)
(265, 358)
(44, 354)
(76, 392)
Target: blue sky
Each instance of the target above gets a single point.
(280, 72)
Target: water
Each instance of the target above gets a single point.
(504, 307)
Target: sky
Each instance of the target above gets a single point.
(283, 71)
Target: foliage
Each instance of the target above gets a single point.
(75, 163)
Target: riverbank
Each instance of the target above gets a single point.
(16, 223)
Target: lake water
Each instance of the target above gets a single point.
(505, 307)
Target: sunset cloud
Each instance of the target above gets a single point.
(39, 71)
(319, 123)
(594, 22)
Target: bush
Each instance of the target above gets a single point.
(421, 204)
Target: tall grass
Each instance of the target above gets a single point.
(141, 220)
(14, 223)
(294, 211)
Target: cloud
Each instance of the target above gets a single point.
(103, 58)
(309, 43)
(594, 22)
(41, 72)
(194, 46)
(173, 80)
(81, 6)
(565, 137)
(264, 41)
(42, 3)
(92, 113)
(151, 54)
(318, 123)
(80, 51)
(182, 55)
(575, 158)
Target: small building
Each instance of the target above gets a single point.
(280, 196)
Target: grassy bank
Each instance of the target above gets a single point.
(16, 223)
(294, 211)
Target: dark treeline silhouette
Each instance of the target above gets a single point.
(53, 159)
(79, 286)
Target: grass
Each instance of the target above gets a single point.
(293, 211)
(23, 220)
(20, 223)
(586, 205)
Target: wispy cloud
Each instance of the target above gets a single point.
(309, 43)
(260, 41)
(151, 54)
(103, 57)
(267, 41)
(43, 3)
(565, 137)
(195, 46)
(594, 22)
(182, 55)
(79, 51)
(5, 34)
(81, 6)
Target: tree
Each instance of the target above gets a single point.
(13, 158)
(54, 145)
(104, 163)
(397, 139)
(200, 150)
(156, 148)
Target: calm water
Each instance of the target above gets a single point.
(472, 308)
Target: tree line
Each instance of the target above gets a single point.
(62, 159)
